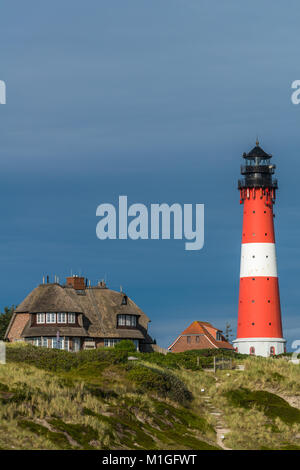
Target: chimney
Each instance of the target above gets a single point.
(76, 282)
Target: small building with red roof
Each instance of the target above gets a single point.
(200, 335)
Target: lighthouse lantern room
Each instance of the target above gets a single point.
(259, 330)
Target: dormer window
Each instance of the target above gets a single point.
(40, 318)
(50, 317)
(124, 300)
(61, 318)
(219, 336)
(55, 318)
(127, 320)
(71, 317)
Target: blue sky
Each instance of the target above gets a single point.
(156, 100)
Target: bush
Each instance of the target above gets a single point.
(272, 405)
(163, 383)
(190, 360)
(56, 360)
(125, 345)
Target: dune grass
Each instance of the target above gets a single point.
(92, 402)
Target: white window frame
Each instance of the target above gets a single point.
(61, 317)
(50, 317)
(71, 317)
(127, 320)
(121, 320)
(40, 318)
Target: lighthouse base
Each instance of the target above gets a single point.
(260, 346)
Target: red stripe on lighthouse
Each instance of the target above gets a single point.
(259, 308)
(258, 226)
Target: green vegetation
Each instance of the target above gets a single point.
(272, 405)
(51, 399)
(161, 382)
(5, 318)
(191, 360)
(125, 345)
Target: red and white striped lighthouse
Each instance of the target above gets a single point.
(259, 330)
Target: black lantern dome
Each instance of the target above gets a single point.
(257, 170)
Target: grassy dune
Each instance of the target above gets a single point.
(99, 400)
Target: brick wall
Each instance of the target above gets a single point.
(183, 345)
(18, 326)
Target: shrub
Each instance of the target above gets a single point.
(190, 360)
(125, 345)
(56, 360)
(163, 383)
(272, 405)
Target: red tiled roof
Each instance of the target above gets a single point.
(200, 327)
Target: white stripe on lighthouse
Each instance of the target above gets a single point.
(258, 259)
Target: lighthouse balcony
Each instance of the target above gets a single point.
(258, 181)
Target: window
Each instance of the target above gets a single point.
(40, 318)
(121, 320)
(66, 344)
(127, 320)
(219, 336)
(76, 344)
(111, 342)
(188, 339)
(61, 318)
(37, 341)
(45, 342)
(71, 317)
(51, 317)
(197, 339)
(124, 300)
(272, 351)
(252, 350)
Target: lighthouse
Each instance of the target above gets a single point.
(259, 329)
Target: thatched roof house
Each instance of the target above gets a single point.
(75, 316)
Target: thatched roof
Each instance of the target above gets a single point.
(99, 308)
(48, 298)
